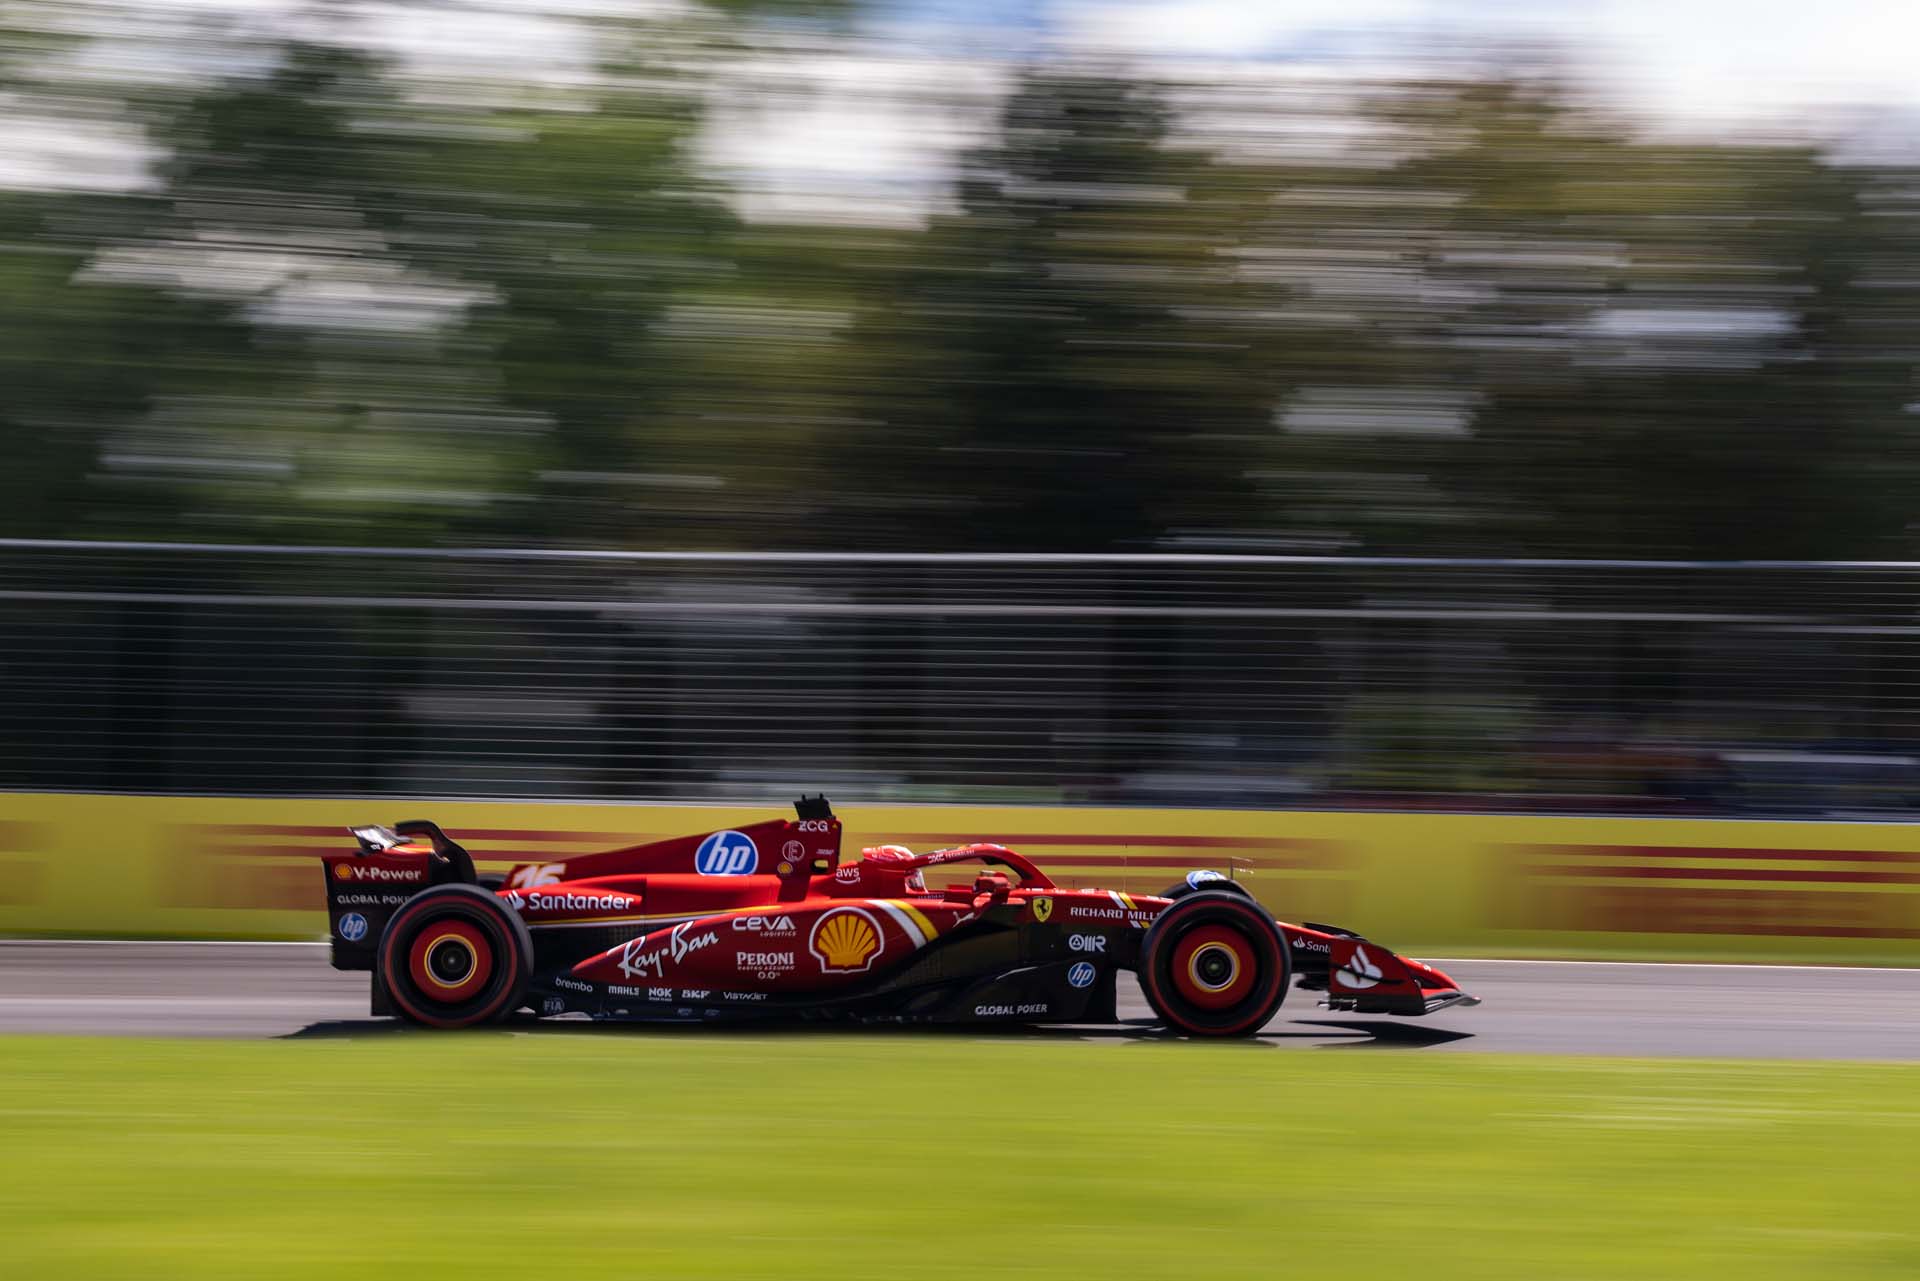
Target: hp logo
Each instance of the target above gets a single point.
(1080, 974)
(353, 927)
(726, 854)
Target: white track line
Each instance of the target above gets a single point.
(1443, 960)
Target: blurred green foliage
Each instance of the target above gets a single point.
(618, 1155)
(361, 301)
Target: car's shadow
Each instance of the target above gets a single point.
(1320, 1033)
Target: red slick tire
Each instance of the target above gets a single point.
(1214, 964)
(455, 956)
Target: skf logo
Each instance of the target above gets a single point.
(845, 940)
(1042, 909)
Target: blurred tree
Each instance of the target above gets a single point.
(1557, 339)
(1050, 368)
(355, 302)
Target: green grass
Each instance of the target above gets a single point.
(656, 1156)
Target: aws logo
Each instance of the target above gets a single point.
(846, 940)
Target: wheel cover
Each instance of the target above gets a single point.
(1214, 967)
(449, 960)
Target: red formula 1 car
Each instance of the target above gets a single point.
(767, 922)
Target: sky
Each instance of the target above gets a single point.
(878, 124)
(1711, 60)
(1843, 69)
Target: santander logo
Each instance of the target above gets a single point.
(1360, 973)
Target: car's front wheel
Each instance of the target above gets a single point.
(1214, 964)
(455, 956)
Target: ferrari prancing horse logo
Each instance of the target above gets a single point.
(1042, 909)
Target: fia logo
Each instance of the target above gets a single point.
(726, 854)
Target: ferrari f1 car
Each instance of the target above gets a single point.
(766, 921)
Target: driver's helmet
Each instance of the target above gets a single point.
(915, 883)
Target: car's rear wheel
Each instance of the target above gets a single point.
(455, 956)
(1214, 965)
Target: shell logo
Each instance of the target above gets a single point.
(343, 870)
(846, 940)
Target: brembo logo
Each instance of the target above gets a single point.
(374, 872)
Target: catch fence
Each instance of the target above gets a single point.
(1170, 680)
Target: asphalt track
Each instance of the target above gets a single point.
(257, 990)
